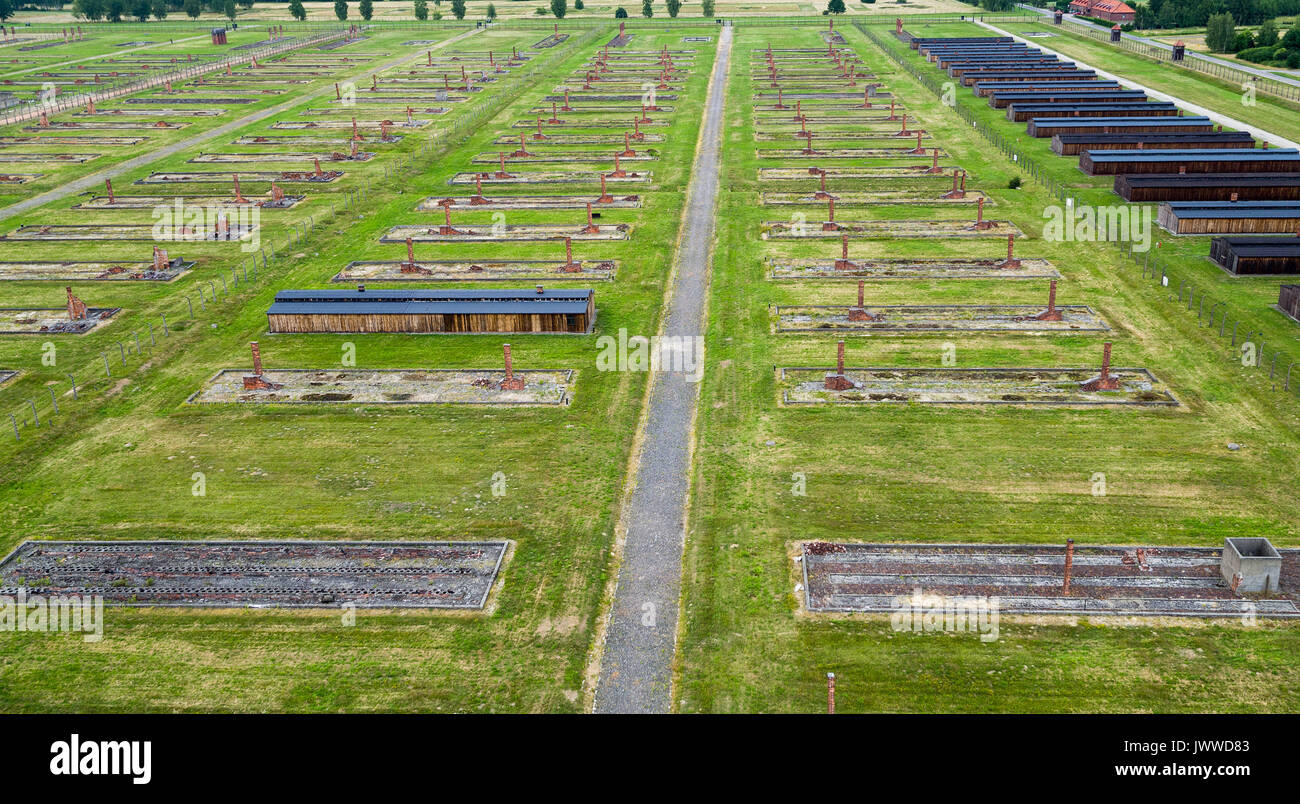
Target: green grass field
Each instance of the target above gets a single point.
(120, 461)
(913, 473)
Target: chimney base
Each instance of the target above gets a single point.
(1101, 384)
(257, 383)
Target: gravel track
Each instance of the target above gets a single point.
(640, 639)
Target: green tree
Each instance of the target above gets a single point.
(835, 7)
(458, 9)
(193, 8)
(159, 9)
(620, 13)
(647, 9)
(92, 10)
(114, 10)
(297, 10)
(421, 9)
(1220, 33)
(1267, 34)
(578, 5)
(674, 6)
(366, 9)
(492, 10)
(230, 10)
(706, 8)
(341, 9)
(559, 8)
(139, 10)
(244, 4)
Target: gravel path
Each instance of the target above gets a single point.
(96, 180)
(636, 670)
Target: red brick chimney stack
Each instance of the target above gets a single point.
(830, 225)
(843, 264)
(1103, 382)
(76, 307)
(511, 382)
(1051, 313)
(837, 381)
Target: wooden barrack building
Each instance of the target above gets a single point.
(1229, 217)
(1204, 160)
(1254, 256)
(1048, 126)
(433, 311)
(1288, 300)
(1074, 144)
(1144, 187)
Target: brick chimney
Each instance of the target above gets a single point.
(256, 382)
(408, 267)
(830, 225)
(76, 307)
(1011, 261)
(1103, 382)
(859, 313)
(511, 382)
(605, 197)
(1051, 313)
(956, 192)
(843, 264)
(981, 224)
(838, 381)
(569, 266)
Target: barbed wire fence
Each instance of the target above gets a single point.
(118, 358)
(1241, 336)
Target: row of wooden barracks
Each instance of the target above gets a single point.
(423, 310)
(1207, 181)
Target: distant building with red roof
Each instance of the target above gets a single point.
(1109, 10)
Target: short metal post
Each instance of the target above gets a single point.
(73, 380)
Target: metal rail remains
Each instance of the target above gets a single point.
(458, 575)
